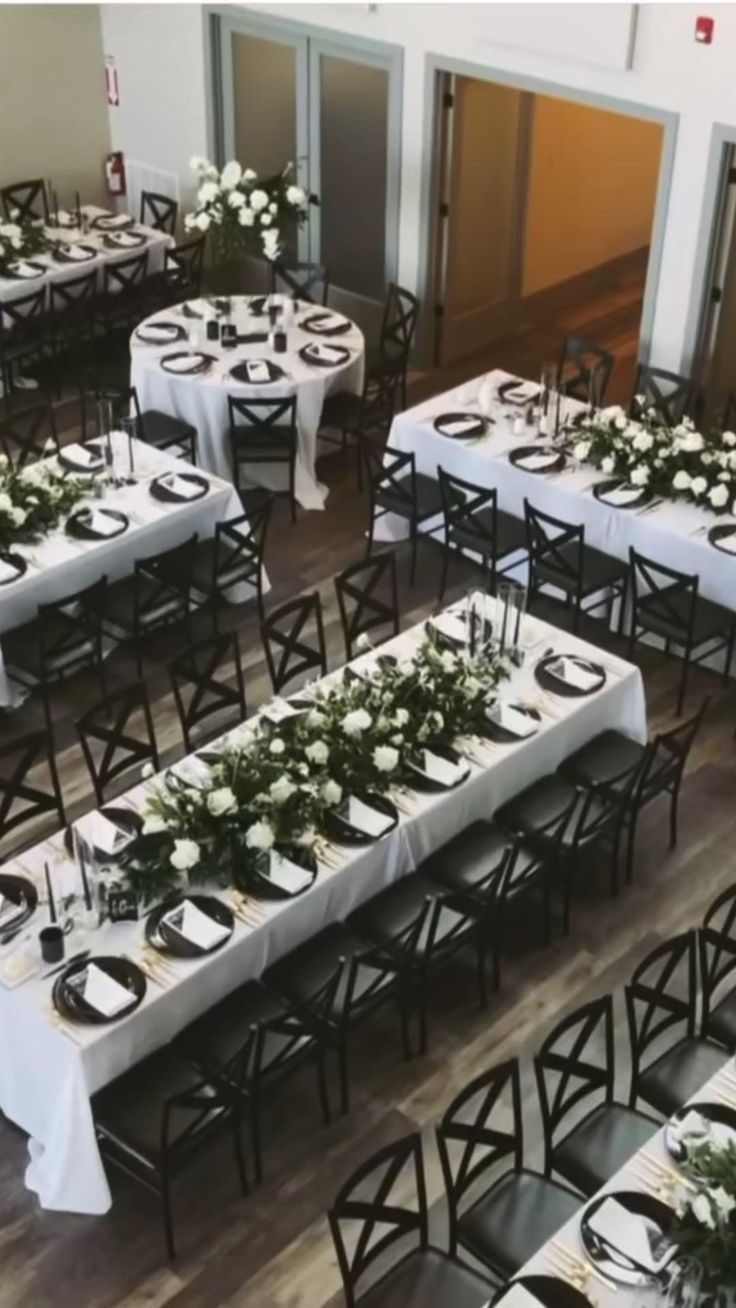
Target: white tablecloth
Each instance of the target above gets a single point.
(202, 400)
(156, 243)
(59, 565)
(46, 1079)
(674, 533)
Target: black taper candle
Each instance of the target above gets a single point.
(83, 870)
(505, 619)
(50, 893)
(517, 628)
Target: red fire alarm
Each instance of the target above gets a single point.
(704, 30)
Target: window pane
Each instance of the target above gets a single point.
(264, 95)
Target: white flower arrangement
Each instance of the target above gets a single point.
(238, 208)
(35, 499)
(706, 1225)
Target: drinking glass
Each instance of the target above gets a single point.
(475, 617)
(683, 1285)
(511, 599)
(129, 426)
(547, 384)
(104, 431)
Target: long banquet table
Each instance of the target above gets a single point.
(47, 1077)
(59, 564)
(673, 532)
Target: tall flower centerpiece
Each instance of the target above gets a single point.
(21, 241)
(706, 1226)
(240, 210)
(33, 500)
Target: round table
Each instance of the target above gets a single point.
(202, 399)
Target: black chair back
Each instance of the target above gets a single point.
(239, 548)
(124, 278)
(479, 1138)
(116, 736)
(372, 1209)
(717, 949)
(671, 396)
(575, 1071)
(660, 1002)
(257, 422)
(22, 320)
(400, 317)
(663, 600)
(363, 608)
(288, 652)
(207, 680)
(555, 550)
(391, 476)
(158, 212)
(302, 281)
(669, 753)
(470, 513)
(163, 584)
(378, 402)
(183, 269)
(70, 631)
(29, 434)
(584, 369)
(24, 201)
(23, 797)
(73, 300)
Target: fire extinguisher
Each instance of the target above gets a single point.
(115, 173)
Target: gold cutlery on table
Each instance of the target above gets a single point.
(660, 1187)
(583, 1262)
(57, 1021)
(664, 1170)
(149, 970)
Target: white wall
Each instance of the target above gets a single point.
(160, 54)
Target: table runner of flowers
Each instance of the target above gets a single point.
(34, 499)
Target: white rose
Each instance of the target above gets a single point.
(639, 476)
(18, 515)
(385, 758)
(258, 200)
(718, 496)
(698, 486)
(607, 464)
(295, 195)
(317, 752)
(353, 724)
(153, 824)
(190, 222)
(6, 504)
(281, 790)
(184, 855)
(266, 219)
(230, 175)
(728, 438)
(702, 1211)
(259, 836)
(401, 717)
(198, 164)
(724, 1202)
(331, 793)
(681, 480)
(643, 441)
(147, 771)
(277, 746)
(236, 199)
(273, 207)
(221, 801)
(621, 422)
(246, 217)
(249, 175)
(202, 221)
(208, 192)
(581, 451)
(270, 240)
(692, 441)
(315, 718)
(448, 661)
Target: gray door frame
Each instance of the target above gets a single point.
(669, 120)
(706, 251)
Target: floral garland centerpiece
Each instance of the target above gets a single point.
(21, 241)
(706, 1226)
(34, 499)
(238, 209)
(275, 785)
(677, 462)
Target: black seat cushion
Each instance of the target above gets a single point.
(710, 619)
(229, 561)
(120, 603)
(428, 1279)
(128, 1112)
(510, 534)
(599, 569)
(429, 500)
(675, 1077)
(162, 429)
(596, 1149)
(468, 858)
(539, 804)
(216, 1037)
(604, 757)
(306, 970)
(385, 916)
(722, 1022)
(517, 1216)
(22, 648)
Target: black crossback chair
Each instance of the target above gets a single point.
(588, 1134)
(29, 434)
(499, 1211)
(368, 600)
(121, 303)
(473, 521)
(25, 202)
(364, 417)
(234, 555)
(302, 281)
(671, 396)
(154, 1118)
(666, 603)
(264, 432)
(291, 649)
(29, 788)
(584, 369)
(607, 757)
(558, 556)
(157, 595)
(161, 430)
(159, 212)
(71, 326)
(669, 1062)
(395, 486)
(207, 680)
(181, 276)
(117, 737)
(380, 1227)
(398, 328)
(717, 947)
(64, 638)
(23, 336)
(286, 1038)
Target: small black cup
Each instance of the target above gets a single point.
(52, 944)
(279, 342)
(228, 335)
(213, 329)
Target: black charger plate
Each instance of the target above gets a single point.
(506, 388)
(548, 681)
(494, 731)
(136, 240)
(77, 526)
(522, 452)
(311, 324)
(256, 881)
(305, 354)
(205, 362)
(240, 373)
(419, 780)
(167, 940)
(340, 830)
(716, 534)
(550, 1291)
(257, 305)
(22, 892)
(14, 561)
(68, 462)
(73, 1007)
(103, 220)
(38, 271)
(711, 1112)
(125, 818)
(175, 332)
(612, 1262)
(477, 428)
(162, 492)
(604, 488)
(61, 255)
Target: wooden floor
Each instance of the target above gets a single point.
(273, 1250)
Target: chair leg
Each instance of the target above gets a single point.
(255, 1136)
(674, 804)
(371, 529)
(167, 1216)
(683, 680)
(480, 946)
(414, 533)
(322, 1087)
(342, 1054)
(238, 1150)
(445, 569)
(404, 985)
(631, 846)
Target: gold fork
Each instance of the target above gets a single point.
(582, 1261)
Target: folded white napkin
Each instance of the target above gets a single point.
(518, 1297)
(161, 331)
(104, 993)
(459, 425)
(126, 239)
(193, 771)
(327, 322)
(199, 306)
(257, 370)
(367, 819)
(7, 571)
(451, 626)
(328, 353)
(540, 459)
(100, 833)
(80, 454)
(196, 926)
(279, 710)
(287, 875)
(114, 220)
(78, 252)
(522, 393)
(23, 269)
(693, 1128)
(442, 770)
(101, 523)
(728, 543)
(570, 671)
(180, 486)
(185, 363)
(9, 911)
(627, 1232)
(510, 719)
(623, 495)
